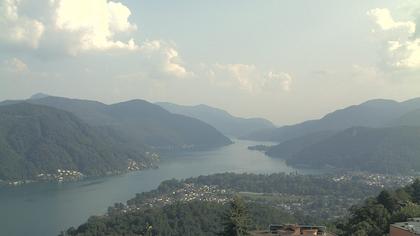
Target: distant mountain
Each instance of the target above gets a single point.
(388, 150)
(39, 95)
(409, 119)
(142, 123)
(289, 148)
(220, 119)
(37, 140)
(373, 113)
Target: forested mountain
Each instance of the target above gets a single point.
(155, 126)
(142, 123)
(410, 119)
(387, 139)
(376, 214)
(373, 113)
(289, 148)
(390, 150)
(220, 119)
(38, 140)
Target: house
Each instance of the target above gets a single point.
(409, 228)
(292, 230)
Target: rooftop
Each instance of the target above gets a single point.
(292, 229)
(411, 225)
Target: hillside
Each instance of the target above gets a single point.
(40, 140)
(220, 119)
(410, 119)
(374, 216)
(142, 123)
(289, 148)
(196, 206)
(373, 113)
(387, 150)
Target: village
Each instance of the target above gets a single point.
(188, 192)
(327, 206)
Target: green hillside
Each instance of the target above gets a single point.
(389, 150)
(289, 148)
(410, 119)
(374, 216)
(40, 140)
(142, 123)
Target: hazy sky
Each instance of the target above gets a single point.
(287, 61)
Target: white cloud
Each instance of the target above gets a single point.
(234, 75)
(402, 48)
(165, 57)
(78, 25)
(95, 23)
(75, 27)
(15, 65)
(278, 80)
(383, 18)
(249, 78)
(18, 30)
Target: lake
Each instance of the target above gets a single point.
(47, 208)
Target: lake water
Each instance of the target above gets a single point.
(47, 208)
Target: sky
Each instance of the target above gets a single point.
(287, 61)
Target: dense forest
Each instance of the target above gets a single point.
(37, 140)
(372, 218)
(44, 134)
(288, 149)
(142, 123)
(193, 218)
(382, 150)
(385, 150)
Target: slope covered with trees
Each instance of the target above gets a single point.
(144, 215)
(372, 218)
(142, 123)
(37, 140)
(195, 218)
(289, 148)
(410, 119)
(386, 150)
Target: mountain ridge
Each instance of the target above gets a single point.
(220, 119)
(372, 113)
(384, 150)
(39, 140)
(153, 126)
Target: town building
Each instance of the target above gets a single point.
(409, 228)
(292, 230)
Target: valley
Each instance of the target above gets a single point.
(209, 118)
(310, 178)
(71, 203)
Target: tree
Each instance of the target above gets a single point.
(416, 191)
(409, 211)
(371, 218)
(236, 222)
(388, 201)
